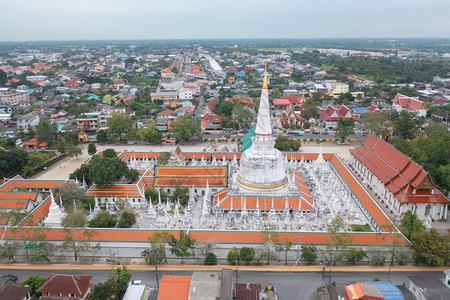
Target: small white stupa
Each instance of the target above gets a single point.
(55, 215)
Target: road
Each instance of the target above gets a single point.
(290, 286)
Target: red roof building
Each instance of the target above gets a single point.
(295, 100)
(399, 181)
(35, 144)
(363, 291)
(373, 108)
(174, 287)
(66, 285)
(412, 104)
(332, 113)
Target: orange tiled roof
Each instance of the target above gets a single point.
(265, 203)
(190, 176)
(174, 287)
(30, 184)
(408, 181)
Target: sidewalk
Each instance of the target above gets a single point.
(220, 267)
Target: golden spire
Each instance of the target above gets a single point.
(265, 78)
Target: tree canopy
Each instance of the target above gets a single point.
(344, 128)
(46, 131)
(186, 128)
(120, 125)
(150, 133)
(283, 143)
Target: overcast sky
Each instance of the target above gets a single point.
(191, 19)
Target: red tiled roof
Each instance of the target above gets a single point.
(295, 99)
(332, 113)
(281, 102)
(403, 177)
(66, 284)
(411, 103)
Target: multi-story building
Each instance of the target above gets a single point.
(13, 98)
(90, 123)
(336, 87)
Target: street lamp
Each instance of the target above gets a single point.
(298, 248)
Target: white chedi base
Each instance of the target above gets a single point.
(55, 215)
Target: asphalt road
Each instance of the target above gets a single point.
(290, 286)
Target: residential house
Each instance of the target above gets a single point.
(332, 113)
(12, 291)
(412, 104)
(35, 144)
(185, 94)
(63, 286)
(165, 114)
(29, 121)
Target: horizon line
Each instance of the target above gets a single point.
(222, 39)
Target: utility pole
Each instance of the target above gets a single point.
(237, 274)
(157, 280)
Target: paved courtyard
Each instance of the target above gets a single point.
(63, 168)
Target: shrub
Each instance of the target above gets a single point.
(233, 255)
(210, 259)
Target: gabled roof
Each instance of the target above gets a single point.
(408, 181)
(66, 284)
(12, 291)
(411, 103)
(35, 142)
(332, 113)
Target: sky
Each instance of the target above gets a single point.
(24, 20)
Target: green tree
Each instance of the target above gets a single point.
(309, 254)
(431, 248)
(12, 161)
(160, 238)
(186, 128)
(120, 125)
(77, 247)
(344, 128)
(92, 149)
(407, 124)
(35, 282)
(224, 108)
(340, 239)
(74, 151)
(233, 256)
(241, 116)
(61, 146)
(151, 193)
(247, 254)
(355, 254)
(75, 218)
(377, 123)
(3, 78)
(283, 143)
(114, 287)
(102, 136)
(163, 158)
(69, 193)
(127, 219)
(105, 170)
(109, 153)
(409, 224)
(286, 246)
(276, 93)
(210, 259)
(103, 219)
(150, 133)
(182, 194)
(9, 249)
(46, 132)
(183, 246)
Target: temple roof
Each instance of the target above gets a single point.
(408, 181)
